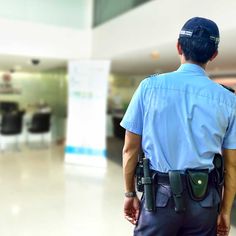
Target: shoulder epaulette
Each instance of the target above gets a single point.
(153, 75)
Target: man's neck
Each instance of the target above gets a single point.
(183, 61)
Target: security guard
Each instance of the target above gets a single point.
(182, 120)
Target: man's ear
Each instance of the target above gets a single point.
(179, 49)
(214, 55)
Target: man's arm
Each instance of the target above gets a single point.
(229, 191)
(130, 158)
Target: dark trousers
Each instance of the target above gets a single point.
(199, 219)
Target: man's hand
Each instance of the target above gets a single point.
(131, 209)
(223, 225)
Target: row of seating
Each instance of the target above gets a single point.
(12, 124)
(8, 106)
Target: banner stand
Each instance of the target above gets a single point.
(86, 161)
(86, 123)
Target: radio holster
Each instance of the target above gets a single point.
(139, 176)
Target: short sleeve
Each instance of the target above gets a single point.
(230, 136)
(133, 118)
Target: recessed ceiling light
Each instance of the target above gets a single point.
(35, 61)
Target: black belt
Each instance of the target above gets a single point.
(163, 178)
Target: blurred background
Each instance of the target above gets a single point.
(40, 195)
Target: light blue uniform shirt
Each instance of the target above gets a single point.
(184, 118)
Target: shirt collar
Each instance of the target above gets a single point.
(188, 67)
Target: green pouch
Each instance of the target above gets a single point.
(197, 181)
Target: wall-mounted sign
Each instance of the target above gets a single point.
(6, 86)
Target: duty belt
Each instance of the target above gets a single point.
(195, 181)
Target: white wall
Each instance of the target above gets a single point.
(71, 14)
(31, 39)
(27, 38)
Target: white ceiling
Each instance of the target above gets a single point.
(24, 63)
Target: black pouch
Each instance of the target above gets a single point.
(197, 181)
(177, 189)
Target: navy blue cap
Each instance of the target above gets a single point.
(199, 27)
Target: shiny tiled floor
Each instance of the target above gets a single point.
(42, 196)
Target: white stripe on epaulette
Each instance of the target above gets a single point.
(153, 75)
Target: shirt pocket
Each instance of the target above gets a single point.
(163, 194)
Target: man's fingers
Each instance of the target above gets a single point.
(131, 210)
(222, 231)
(223, 234)
(137, 214)
(131, 216)
(131, 220)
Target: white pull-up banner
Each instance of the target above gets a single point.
(86, 123)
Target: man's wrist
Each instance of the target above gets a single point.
(130, 194)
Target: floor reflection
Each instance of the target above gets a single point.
(43, 196)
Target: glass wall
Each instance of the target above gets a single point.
(71, 14)
(105, 10)
(48, 87)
